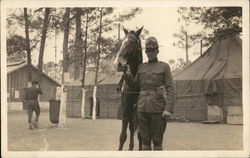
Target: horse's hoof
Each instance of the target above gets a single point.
(130, 148)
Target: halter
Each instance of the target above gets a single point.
(138, 46)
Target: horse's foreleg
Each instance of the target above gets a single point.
(140, 142)
(132, 131)
(123, 135)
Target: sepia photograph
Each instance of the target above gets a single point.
(125, 78)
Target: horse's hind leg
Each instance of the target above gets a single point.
(123, 135)
(132, 131)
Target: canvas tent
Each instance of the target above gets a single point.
(214, 79)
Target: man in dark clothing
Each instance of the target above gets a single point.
(31, 98)
(154, 108)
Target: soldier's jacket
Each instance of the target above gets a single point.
(154, 80)
(32, 93)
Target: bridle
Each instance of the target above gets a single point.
(135, 52)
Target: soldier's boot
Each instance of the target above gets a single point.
(36, 124)
(146, 147)
(157, 147)
(30, 127)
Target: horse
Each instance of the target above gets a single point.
(129, 54)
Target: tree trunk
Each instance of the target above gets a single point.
(119, 30)
(186, 46)
(78, 44)
(94, 103)
(97, 68)
(85, 52)
(62, 118)
(26, 21)
(43, 39)
(65, 41)
(84, 69)
(201, 49)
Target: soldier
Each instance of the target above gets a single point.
(31, 98)
(154, 108)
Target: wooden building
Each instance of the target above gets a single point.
(17, 81)
(109, 100)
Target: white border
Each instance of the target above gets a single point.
(128, 3)
(121, 3)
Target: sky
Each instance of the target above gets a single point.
(161, 22)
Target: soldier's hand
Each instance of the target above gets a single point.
(166, 114)
(127, 69)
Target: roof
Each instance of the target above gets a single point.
(103, 78)
(17, 66)
(223, 59)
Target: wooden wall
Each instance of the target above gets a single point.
(74, 101)
(18, 80)
(192, 108)
(109, 100)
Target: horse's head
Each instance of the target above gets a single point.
(130, 52)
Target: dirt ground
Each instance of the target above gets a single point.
(103, 135)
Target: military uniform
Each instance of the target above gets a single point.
(154, 78)
(157, 94)
(31, 97)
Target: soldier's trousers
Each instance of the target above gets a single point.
(151, 128)
(33, 105)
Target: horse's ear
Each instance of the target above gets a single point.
(138, 32)
(125, 31)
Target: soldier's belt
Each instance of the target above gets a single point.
(151, 90)
(32, 99)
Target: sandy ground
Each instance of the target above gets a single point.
(103, 134)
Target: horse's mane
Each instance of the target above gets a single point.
(140, 49)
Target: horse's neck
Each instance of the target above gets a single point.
(133, 68)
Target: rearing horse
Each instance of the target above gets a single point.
(130, 53)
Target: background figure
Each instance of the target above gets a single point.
(153, 109)
(31, 99)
